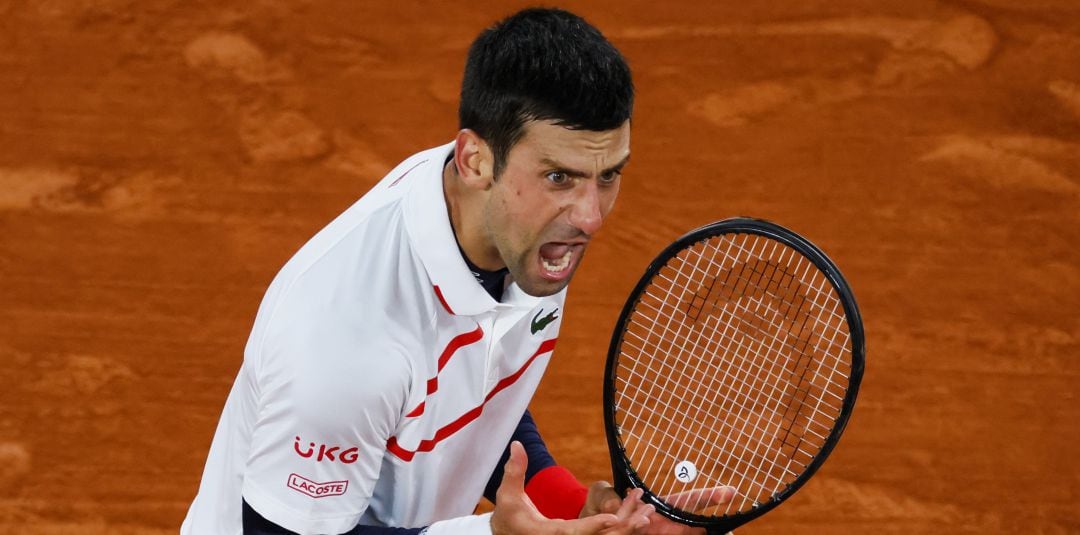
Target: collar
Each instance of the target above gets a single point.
(427, 221)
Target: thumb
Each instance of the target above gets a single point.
(514, 469)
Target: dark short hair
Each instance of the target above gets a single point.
(542, 64)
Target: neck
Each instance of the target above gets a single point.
(465, 205)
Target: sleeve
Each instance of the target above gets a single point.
(330, 395)
(552, 488)
(556, 493)
(539, 457)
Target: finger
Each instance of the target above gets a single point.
(633, 513)
(630, 503)
(693, 500)
(609, 501)
(642, 516)
(588, 525)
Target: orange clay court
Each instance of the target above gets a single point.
(160, 161)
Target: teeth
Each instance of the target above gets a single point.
(557, 265)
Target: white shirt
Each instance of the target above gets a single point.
(380, 383)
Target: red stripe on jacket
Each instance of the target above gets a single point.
(455, 344)
(465, 419)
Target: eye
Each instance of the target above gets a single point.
(558, 178)
(610, 177)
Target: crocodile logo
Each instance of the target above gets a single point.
(538, 323)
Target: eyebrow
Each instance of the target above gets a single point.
(581, 174)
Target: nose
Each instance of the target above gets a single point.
(585, 213)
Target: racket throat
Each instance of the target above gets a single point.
(621, 478)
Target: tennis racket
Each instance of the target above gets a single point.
(736, 361)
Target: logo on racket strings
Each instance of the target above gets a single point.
(685, 471)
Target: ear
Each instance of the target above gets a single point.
(473, 159)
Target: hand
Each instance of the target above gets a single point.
(515, 513)
(602, 498)
(633, 514)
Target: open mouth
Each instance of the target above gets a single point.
(558, 264)
(556, 259)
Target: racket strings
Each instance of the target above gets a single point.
(826, 323)
(673, 335)
(656, 343)
(703, 377)
(760, 445)
(670, 371)
(755, 273)
(749, 339)
(757, 382)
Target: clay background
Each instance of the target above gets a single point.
(160, 160)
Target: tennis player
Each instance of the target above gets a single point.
(385, 384)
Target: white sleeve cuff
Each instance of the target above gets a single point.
(465, 525)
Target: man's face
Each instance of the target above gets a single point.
(557, 187)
